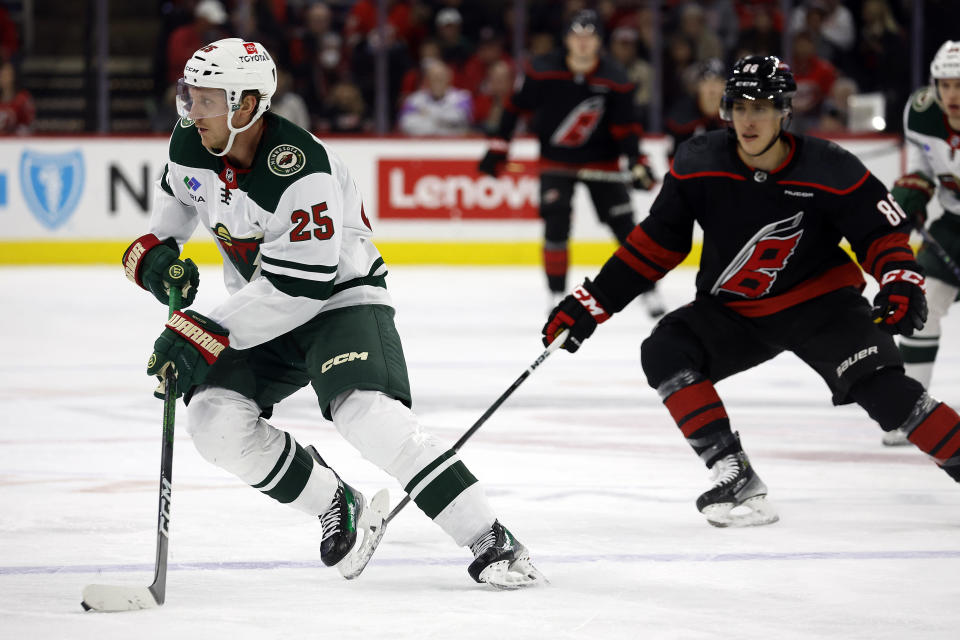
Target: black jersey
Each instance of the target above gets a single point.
(770, 239)
(579, 118)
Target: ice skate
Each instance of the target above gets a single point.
(347, 516)
(653, 304)
(502, 562)
(738, 497)
(895, 438)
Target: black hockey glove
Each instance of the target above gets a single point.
(912, 192)
(495, 159)
(901, 304)
(154, 266)
(642, 176)
(191, 343)
(579, 313)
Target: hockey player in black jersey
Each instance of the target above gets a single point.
(773, 208)
(582, 111)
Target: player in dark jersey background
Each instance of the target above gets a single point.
(581, 107)
(772, 278)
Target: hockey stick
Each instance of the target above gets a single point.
(586, 175)
(939, 251)
(360, 564)
(104, 597)
(556, 344)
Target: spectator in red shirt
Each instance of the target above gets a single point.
(9, 38)
(208, 16)
(16, 105)
(489, 51)
(815, 77)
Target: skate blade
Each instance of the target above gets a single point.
(754, 512)
(373, 524)
(895, 438)
(509, 576)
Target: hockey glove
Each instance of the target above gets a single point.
(190, 343)
(154, 266)
(579, 313)
(901, 304)
(495, 159)
(642, 176)
(912, 192)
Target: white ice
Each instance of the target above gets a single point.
(583, 464)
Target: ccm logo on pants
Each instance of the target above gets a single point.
(340, 359)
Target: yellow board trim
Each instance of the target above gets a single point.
(397, 252)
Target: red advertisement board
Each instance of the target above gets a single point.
(432, 189)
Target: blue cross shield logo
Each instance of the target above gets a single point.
(51, 184)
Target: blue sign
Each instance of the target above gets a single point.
(3, 189)
(51, 184)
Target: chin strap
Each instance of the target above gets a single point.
(233, 134)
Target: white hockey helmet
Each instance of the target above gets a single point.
(234, 66)
(946, 64)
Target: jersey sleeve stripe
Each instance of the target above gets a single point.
(298, 287)
(823, 187)
(891, 247)
(641, 244)
(298, 266)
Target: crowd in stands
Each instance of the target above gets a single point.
(450, 66)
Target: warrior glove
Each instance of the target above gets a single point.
(190, 343)
(912, 192)
(579, 314)
(901, 304)
(155, 266)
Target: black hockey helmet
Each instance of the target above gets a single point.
(585, 21)
(759, 78)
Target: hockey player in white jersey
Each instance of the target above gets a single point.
(931, 123)
(308, 304)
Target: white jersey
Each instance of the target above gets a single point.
(933, 147)
(292, 230)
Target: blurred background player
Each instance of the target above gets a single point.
(931, 124)
(583, 115)
(308, 304)
(699, 112)
(773, 208)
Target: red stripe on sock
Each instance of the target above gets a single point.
(555, 262)
(694, 424)
(934, 428)
(687, 400)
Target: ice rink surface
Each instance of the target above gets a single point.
(583, 464)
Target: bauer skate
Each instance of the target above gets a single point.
(347, 516)
(502, 562)
(738, 497)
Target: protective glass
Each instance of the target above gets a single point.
(195, 103)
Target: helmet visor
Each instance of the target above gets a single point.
(196, 103)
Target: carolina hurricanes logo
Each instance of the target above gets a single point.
(244, 253)
(579, 124)
(755, 268)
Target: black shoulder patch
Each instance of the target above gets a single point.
(187, 150)
(709, 151)
(825, 164)
(925, 115)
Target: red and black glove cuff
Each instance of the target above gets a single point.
(206, 336)
(134, 257)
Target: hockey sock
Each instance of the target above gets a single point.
(698, 411)
(555, 261)
(935, 428)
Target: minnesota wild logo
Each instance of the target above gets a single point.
(285, 160)
(244, 253)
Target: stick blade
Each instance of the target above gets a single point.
(104, 597)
